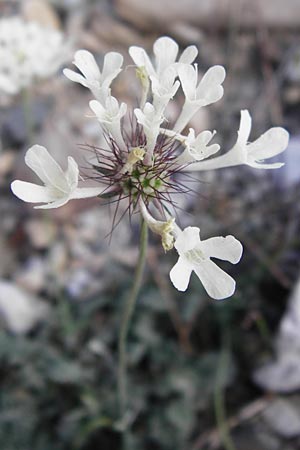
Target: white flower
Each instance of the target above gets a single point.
(164, 89)
(165, 50)
(195, 255)
(197, 147)
(110, 117)
(269, 144)
(98, 82)
(28, 52)
(59, 186)
(208, 91)
(151, 121)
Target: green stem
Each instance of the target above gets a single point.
(127, 315)
(219, 396)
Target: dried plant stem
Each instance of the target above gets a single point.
(127, 315)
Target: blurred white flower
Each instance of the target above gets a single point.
(195, 255)
(271, 143)
(59, 186)
(28, 52)
(98, 82)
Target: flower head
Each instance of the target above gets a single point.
(59, 186)
(140, 159)
(28, 52)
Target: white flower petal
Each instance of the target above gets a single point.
(32, 193)
(164, 89)
(187, 239)
(113, 108)
(263, 165)
(210, 89)
(111, 67)
(226, 248)
(200, 148)
(87, 65)
(245, 128)
(140, 116)
(188, 55)
(166, 81)
(122, 110)
(74, 76)
(98, 109)
(141, 59)
(180, 274)
(165, 50)
(41, 162)
(203, 138)
(188, 76)
(110, 117)
(72, 173)
(199, 153)
(56, 204)
(86, 192)
(269, 144)
(217, 283)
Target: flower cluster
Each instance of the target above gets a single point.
(142, 157)
(28, 52)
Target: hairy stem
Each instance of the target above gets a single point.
(127, 315)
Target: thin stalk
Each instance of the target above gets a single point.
(219, 397)
(127, 315)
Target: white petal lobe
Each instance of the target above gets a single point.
(226, 248)
(217, 283)
(180, 274)
(31, 193)
(46, 168)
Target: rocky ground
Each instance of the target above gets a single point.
(203, 374)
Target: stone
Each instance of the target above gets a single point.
(151, 15)
(20, 311)
(283, 373)
(283, 417)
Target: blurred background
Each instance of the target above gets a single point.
(202, 374)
